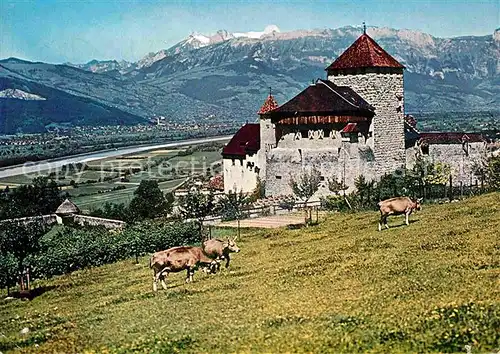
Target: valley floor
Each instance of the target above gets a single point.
(341, 286)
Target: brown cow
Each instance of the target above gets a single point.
(177, 259)
(218, 250)
(396, 206)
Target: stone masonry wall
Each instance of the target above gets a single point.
(343, 164)
(461, 163)
(384, 91)
(93, 221)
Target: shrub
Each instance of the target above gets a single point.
(8, 270)
(287, 203)
(72, 249)
(334, 203)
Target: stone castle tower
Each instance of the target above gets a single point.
(267, 132)
(378, 78)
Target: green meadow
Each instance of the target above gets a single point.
(340, 286)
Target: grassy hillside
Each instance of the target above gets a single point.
(339, 286)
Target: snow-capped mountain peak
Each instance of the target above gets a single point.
(197, 40)
(204, 40)
(256, 35)
(20, 95)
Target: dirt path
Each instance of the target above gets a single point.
(269, 222)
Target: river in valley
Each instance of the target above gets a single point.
(44, 165)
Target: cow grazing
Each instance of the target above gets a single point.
(219, 250)
(396, 206)
(177, 259)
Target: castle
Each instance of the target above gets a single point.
(349, 125)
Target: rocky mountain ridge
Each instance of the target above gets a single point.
(228, 75)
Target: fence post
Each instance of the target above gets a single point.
(461, 190)
(209, 232)
(238, 228)
(451, 188)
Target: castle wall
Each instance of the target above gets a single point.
(383, 89)
(462, 159)
(343, 163)
(241, 174)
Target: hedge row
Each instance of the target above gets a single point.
(70, 249)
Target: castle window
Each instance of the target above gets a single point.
(321, 178)
(234, 162)
(267, 126)
(278, 177)
(465, 147)
(304, 133)
(425, 149)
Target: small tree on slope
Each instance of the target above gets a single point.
(306, 185)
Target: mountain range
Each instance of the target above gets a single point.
(226, 76)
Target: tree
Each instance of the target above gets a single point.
(149, 201)
(438, 173)
(40, 198)
(112, 211)
(306, 185)
(493, 172)
(231, 206)
(427, 174)
(259, 191)
(488, 170)
(21, 241)
(335, 186)
(364, 191)
(7, 271)
(197, 205)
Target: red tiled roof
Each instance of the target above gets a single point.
(269, 104)
(246, 140)
(324, 97)
(350, 128)
(364, 53)
(450, 138)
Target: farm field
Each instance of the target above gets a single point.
(97, 184)
(91, 201)
(195, 163)
(341, 286)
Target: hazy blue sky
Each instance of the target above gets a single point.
(78, 31)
